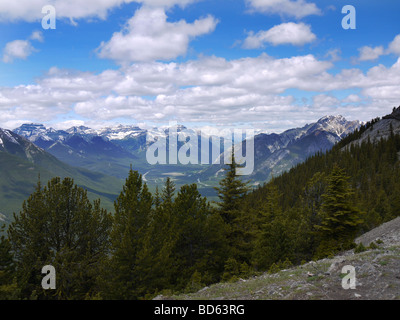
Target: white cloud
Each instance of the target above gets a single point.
(209, 90)
(149, 36)
(295, 8)
(369, 53)
(17, 49)
(323, 101)
(394, 46)
(334, 54)
(352, 98)
(31, 10)
(296, 34)
(37, 35)
(68, 124)
(21, 49)
(166, 3)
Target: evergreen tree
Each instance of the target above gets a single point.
(231, 191)
(340, 218)
(168, 192)
(274, 241)
(130, 225)
(160, 269)
(59, 226)
(8, 286)
(190, 252)
(6, 260)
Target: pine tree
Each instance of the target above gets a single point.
(6, 260)
(59, 226)
(130, 225)
(160, 269)
(274, 240)
(8, 286)
(190, 251)
(231, 192)
(340, 218)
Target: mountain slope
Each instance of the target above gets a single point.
(299, 144)
(112, 150)
(277, 153)
(22, 163)
(80, 147)
(377, 276)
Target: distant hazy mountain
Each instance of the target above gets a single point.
(276, 153)
(109, 150)
(80, 147)
(112, 150)
(22, 162)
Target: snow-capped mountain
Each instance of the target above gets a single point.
(14, 144)
(22, 162)
(79, 147)
(276, 153)
(113, 149)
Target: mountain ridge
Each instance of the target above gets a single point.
(276, 153)
(22, 164)
(125, 145)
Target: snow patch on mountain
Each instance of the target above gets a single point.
(7, 135)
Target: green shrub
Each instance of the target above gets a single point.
(373, 245)
(274, 268)
(360, 248)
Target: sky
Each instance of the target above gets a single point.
(264, 64)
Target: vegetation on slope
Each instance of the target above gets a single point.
(175, 241)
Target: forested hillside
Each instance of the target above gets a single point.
(176, 241)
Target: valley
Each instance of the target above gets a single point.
(99, 160)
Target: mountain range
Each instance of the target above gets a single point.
(100, 159)
(276, 153)
(23, 164)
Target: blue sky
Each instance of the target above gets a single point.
(265, 64)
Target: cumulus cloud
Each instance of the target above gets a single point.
(369, 53)
(334, 55)
(21, 49)
(149, 36)
(166, 3)
(292, 33)
(352, 98)
(210, 89)
(31, 10)
(28, 10)
(325, 101)
(394, 46)
(17, 49)
(294, 8)
(37, 36)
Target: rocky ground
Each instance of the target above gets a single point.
(377, 274)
